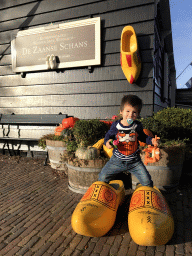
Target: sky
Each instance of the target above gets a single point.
(181, 20)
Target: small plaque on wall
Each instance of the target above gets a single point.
(72, 44)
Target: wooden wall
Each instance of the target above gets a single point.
(75, 91)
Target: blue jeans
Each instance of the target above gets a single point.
(115, 166)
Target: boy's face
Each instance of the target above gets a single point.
(129, 112)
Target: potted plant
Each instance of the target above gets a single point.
(57, 147)
(174, 127)
(87, 159)
(58, 142)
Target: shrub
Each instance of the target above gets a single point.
(170, 124)
(88, 132)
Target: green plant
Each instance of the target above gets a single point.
(42, 140)
(88, 132)
(170, 124)
(71, 145)
(66, 136)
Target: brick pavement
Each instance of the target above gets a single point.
(36, 207)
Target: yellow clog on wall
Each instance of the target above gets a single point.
(130, 59)
(95, 214)
(150, 220)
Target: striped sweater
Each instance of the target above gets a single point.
(127, 137)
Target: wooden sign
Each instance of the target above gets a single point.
(64, 45)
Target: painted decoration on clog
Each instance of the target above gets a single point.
(102, 194)
(129, 57)
(150, 220)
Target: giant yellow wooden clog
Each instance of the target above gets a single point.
(150, 220)
(130, 58)
(95, 214)
(108, 152)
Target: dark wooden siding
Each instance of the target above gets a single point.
(75, 91)
(184, 96)
(164, 67)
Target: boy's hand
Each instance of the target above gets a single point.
(155, 141)
(108, 145)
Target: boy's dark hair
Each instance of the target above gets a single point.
(132, 100)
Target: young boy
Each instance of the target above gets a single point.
(127, 132)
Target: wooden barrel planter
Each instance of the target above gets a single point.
(82, 173)
(165, 173)
(56, 149)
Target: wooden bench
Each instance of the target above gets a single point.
(25, 120)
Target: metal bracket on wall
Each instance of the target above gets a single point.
(90, 68)
(23, 74)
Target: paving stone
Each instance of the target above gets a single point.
(13, 251)
(57, 225)
(126, 240)
(56, 244)
(142, 248)
(150, 251)
(29, 253)
(67, 229)
(57, 234)
(75, 241)
(67, 240)
(43, 249)
(29, 229)
(59, 251)
(43, 217)
(115, 247)
(27, 238)
(140, 253)
(169, 251)
(40, 242)
(110, 240)
(46, 254)
(82, 244)
(4, 230)
(123, 251)
(77, 253)
(46, 229)
(159, 253)
(28, 246)
(8, 223)
(180, 249)
(68, 251)
(10, 246)
(133, 248)
(188, 247)
(88, 249)
(38, 222)
(99, 245)
(2, 245)
(43, 224)
(160, 248)
(14, 235)
(17, 221)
